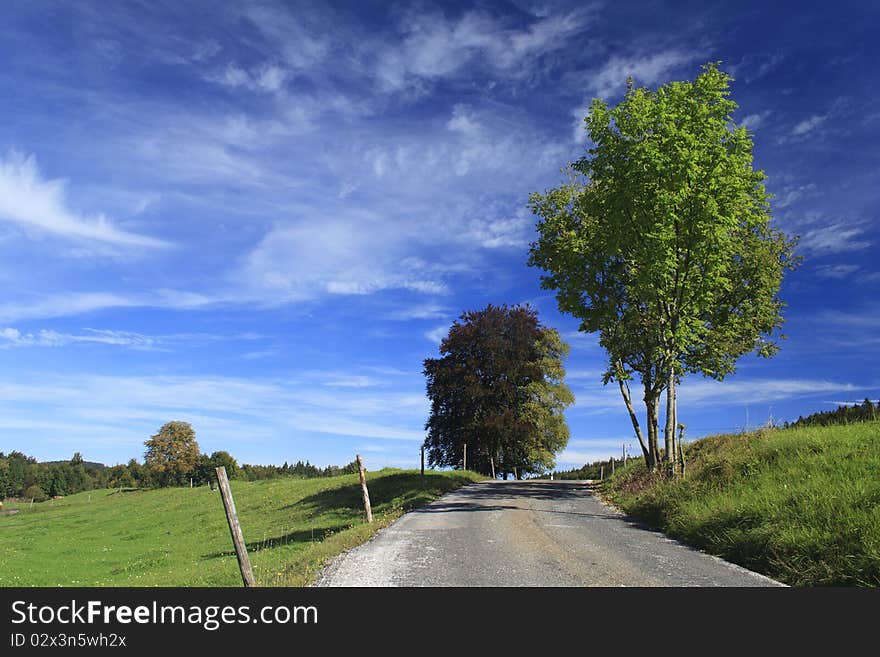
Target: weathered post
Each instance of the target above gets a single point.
(244, 563)
(422, 450)
(464, 462)
(612, 467)
(602, 472)
(364, 490)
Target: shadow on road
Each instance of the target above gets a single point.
(495, 496)
(446, 507)
(540, 490)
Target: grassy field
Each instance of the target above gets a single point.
(179, 536)
(799, 505)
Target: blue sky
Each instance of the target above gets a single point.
(261, 219)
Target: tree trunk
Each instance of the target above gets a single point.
(624, 391)
(653, 442)
(492, 463)
(681, 462)
(679, 448)
(669, 434)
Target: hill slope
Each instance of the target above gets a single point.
(179, 536)
(800, 505)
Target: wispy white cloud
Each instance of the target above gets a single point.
(865, 318)
(29, 201)
(352, 381)
(834, 237)
(645, 69)
(792, 194)
(837, 271)
(12, 337)
(754, 121)
(420, 311)
(609, 79)
(296, 37)
(808, 125)
(342, 256)
(78, 303)
(699, 392)
(205, 50)
(742, 391)
(754, 66)
(267, 78)
(434, 46)
(61, 305)
(437, 334)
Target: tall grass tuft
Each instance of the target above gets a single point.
(801, 505)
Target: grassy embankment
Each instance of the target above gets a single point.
(179, 536)
(799, 505)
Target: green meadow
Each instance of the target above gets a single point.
(179, 536)
(801, 505)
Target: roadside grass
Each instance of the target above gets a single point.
(179, 536)
(799, 505)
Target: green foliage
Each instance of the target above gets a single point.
(498, 388)
(864, 412)
(661, 241)
(179, 536)
(35, 493)
(801, 505)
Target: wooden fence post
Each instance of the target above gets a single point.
(612, 467)
(464, 463)
(244, 563)
(423, 464)
(601, 472)
(364, 490)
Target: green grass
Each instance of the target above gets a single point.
(179, 536)
(799, 505)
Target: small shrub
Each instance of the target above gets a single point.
(35, 493)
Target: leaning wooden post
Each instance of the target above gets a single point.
(244, 563)
(364, 490)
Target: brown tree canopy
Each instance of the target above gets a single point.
(498, 389)
(173, 453)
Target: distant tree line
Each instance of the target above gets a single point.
(588, 471)
(172, 459)
(864, 412)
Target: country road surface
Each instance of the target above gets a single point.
(527, 533)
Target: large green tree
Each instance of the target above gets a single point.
(498, 388)
(172, 454)
(661, 241)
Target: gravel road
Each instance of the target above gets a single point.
(527, 533)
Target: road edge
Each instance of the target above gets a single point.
(596, 489)
(326, 570)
